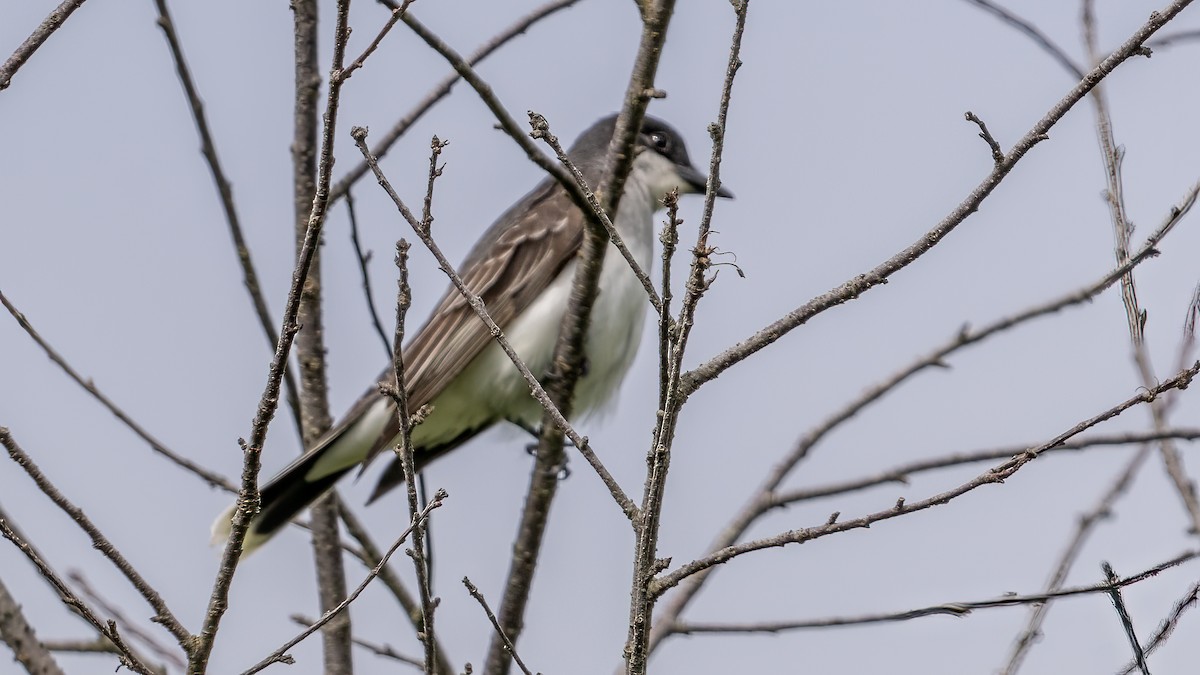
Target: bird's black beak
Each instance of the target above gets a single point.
(698, 181)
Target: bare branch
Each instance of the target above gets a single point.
(108, 629)
(364, 257)
(476, 303)
(39, 36)
(310, 342)
(210, 477)
(1164, 630)
(342, 187)
(995, 475)
(399, 394)
(1114, 593)
(225, 191)
(18, 634)
(541, 130)
(162, 614)
(371, 556)
(879, 275)
(959, 609)
(281, 656)
(248, 497)
(382, 650)
(1135, 316)
(508, 645)
(357, 63)
(904, 472)
(1027, 27)
(645, 563)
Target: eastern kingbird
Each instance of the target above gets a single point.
(523, 268)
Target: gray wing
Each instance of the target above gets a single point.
(510, 266)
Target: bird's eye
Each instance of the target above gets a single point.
(661, 141)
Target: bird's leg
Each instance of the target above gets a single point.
(531, 448)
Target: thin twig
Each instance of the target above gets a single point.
(108, 629)
(370, 556)
(404, 451)
(160, 651)
(357, 63)
(1167, 626)
(15, 630)
(568, 354)
(281, 655)
(1026, 27)
(855, 287)
(1135, 316)
(645, 562)
(210, 477)
(904, 473)
(1171, 39)
(508, 645)
(763, 499)
(382, 650)
(248, 497)
(995, 475)
(1114, 594)
(958, 609)
(364, 258)
(162, 613)
(225, 192)
(39, 36)
(342, 187)
(476, 303)
(541, 130)
(337, 649)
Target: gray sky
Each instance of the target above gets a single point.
(846, 142)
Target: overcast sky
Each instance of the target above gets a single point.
(846, 142)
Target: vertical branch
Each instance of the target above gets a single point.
(310, 342)
(646, 563)
(1114, 594)
(1134, 314)
(568, 351)
(364, 258)
(248, 497)
(225, 191)
(670, 240)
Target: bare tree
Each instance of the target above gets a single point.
(573, 569)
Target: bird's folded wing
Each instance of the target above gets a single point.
(509, 268)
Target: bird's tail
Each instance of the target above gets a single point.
(305, 480)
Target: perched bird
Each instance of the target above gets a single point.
(523, 267)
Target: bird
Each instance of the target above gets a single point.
(523, 268)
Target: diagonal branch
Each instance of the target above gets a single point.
(342, 187)
(995, 475)
(225, 191)
(958, 609)
(281, 656)
(765, 497)
(162, 614)
(108, 629)
(248, 498)
(39, 36)
(879, 275)
(210, 477)
(558, 419)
